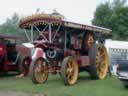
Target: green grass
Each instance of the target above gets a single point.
(111, 86)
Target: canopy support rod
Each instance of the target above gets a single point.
(32, 33)
(56, 32)
(45, 28)
(65, 40)
(50, 33)
(41, 32)
(27, 35)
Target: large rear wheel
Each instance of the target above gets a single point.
(98, 61)
(39, 72)
(69, 70)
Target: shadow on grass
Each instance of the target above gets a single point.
(84, 77)
(8, 74)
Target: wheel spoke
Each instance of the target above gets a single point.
(69, 76)
(102, 64)
(69, 70)
(103, 54)
(70, 65)
(37, 69)
(102, 70)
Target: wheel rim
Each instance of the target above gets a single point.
(89, 41)
(72, 71)
(40, 71)
(102, 62)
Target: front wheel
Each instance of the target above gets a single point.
(39, 71)
(69, 70)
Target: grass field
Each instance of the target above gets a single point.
(111, 86)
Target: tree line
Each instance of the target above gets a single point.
(11, 27)
(113, 15)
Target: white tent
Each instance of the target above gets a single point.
(116, 44)
(116, 49)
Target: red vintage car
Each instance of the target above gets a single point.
(11, 55)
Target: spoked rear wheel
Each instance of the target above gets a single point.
(69, 71)
(99, 61)
(39, 71)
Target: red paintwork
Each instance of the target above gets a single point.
(83, 61)
(8, 66)
(8, 62)
(2, 50)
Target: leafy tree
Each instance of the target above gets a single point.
(102, 15)
(11, 27)
(117, 4)
(114, 16)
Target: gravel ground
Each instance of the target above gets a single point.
(11, 93)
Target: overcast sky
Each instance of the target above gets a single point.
(80, 11)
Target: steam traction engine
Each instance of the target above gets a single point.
(69, 48)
